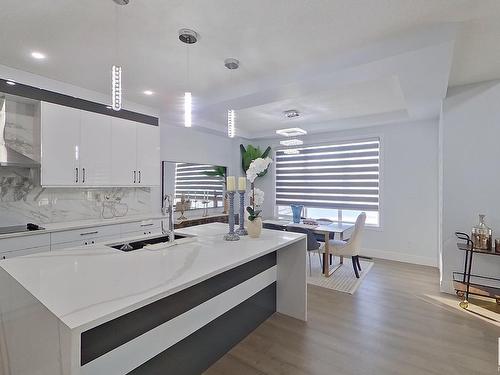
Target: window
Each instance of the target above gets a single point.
(335, 181)
(192, 181)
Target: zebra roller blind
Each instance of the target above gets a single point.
(338, 176)
(191, 180)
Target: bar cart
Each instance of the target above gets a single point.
(466, 283)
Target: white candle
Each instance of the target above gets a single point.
(242, 183)
(231, 183)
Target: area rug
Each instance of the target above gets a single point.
(343, 279)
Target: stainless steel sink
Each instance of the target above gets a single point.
(139, 244)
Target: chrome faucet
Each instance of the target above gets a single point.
(168, 208)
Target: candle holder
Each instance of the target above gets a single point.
(241, 230)
(231, 236)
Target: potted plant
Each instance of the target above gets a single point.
(257, 168)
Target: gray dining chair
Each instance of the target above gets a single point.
(312, 243)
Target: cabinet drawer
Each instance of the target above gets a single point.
(83, 242)
(24, 242)
(82, 235)
(152, 226)
(18, 253)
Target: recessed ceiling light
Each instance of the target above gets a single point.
(291, 113)
(109, 107)
(292, 142)
(291, 132)
(37, 55)
(12, 83)
(148, 92)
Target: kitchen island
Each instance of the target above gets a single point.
(98, 310)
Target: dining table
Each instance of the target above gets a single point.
(324, 228)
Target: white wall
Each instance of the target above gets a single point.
(409, 190)
(470, 131)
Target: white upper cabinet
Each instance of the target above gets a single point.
(81, 148)
(148, 155)
(124, 156)
(96, 149)
(60, 145)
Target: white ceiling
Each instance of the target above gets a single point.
(342, 61)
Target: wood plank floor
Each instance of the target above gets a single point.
(387, 327)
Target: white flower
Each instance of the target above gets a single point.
(256, 167)
(257, 196)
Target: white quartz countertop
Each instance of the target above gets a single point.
(81, 224)
(87, 286)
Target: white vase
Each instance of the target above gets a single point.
(254, 228)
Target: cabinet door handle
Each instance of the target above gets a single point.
(139, 176)
(76, 174)
(89, 233)
(147, 225)
(83, 175)
(135, 176)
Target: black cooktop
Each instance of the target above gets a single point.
(20, 228)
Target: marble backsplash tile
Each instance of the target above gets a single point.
(23, 200)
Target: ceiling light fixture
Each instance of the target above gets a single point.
(292, 142)
(291, 151)
(231, 64)
(188, 107)
(116, 87)
(291, 113)
(148, 92)
(231, 129)
(188, 36)
(37, 55)
(116, 70)
(11, 83)
(291, 132)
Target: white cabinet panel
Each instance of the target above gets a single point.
(124, 152)
(148, 155)
(25, 242)
(60, 145)
(141, 228)
(95, 152)
(18, 253)
(83, 235)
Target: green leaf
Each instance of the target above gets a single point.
(218, 171)
(267, 152)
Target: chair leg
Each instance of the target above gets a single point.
(331, 259)
(355, 266)
(320, 259)
(310, 267)
(357, 262)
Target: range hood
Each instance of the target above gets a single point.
(8, 156)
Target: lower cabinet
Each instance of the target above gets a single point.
(37, 243)
(18, 253)
(24, 245)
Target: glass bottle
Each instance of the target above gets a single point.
(482, 235)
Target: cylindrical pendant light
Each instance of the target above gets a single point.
(231, 129)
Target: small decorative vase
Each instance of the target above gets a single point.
(254, 227)
(297, 212)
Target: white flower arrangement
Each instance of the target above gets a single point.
(257, 197)
(257, 167)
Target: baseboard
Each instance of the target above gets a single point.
(446, 286)
(400, 257)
